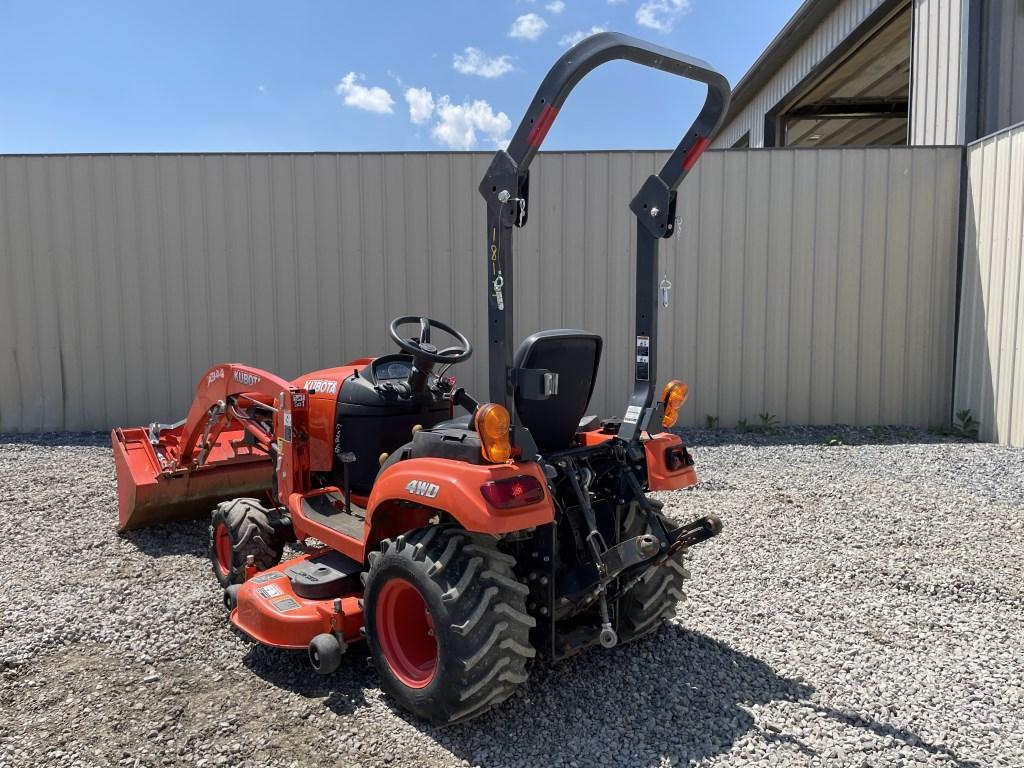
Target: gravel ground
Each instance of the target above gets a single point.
(862, 608)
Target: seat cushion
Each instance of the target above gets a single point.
(575, 356)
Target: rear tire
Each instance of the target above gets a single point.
(654, 599)
(446, 622)
(239, 528)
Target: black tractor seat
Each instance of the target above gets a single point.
(575, 357)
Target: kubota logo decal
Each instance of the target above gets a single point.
(423, 488)
(212, 376)
(245, 378)
(323, 386)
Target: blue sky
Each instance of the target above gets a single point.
(226, 75)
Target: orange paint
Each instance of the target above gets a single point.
(458, 493)
(278, 617)
(660, 477)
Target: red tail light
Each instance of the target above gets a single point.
(514, 492)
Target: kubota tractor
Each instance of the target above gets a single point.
(457, 546)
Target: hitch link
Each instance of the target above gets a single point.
(608, 636)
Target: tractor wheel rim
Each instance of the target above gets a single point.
(405, 630)
(222, 548)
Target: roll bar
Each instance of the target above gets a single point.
(592, 52)
(505, 187)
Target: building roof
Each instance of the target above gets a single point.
(797, 30)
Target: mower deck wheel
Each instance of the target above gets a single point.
(325, 653)
(446, 622)
(240, 528)
(231, 597)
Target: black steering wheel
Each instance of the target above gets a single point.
(421, 349)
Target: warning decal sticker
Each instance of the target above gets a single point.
(285, 604)
(643, 358)
(632, 414)
(269, 591)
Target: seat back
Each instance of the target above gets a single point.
(575, 357)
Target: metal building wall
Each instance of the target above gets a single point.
(990, 358)
(1001, 87)
(816, 285)
(848, 15)
(937, 72)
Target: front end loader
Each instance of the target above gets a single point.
(458, 537)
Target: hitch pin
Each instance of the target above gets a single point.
(666, 288)
(499, 281)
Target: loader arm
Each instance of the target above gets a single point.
(209, 415)
(221, 450)
(505, 187)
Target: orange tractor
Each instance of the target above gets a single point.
(457, 546)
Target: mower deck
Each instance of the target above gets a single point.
(270, 609)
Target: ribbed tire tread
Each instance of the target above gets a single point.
(654, 599)
(251, 533)
(479, 613)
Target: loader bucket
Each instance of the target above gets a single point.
(146, 495)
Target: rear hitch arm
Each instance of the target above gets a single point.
(646, 550)
(688, 535)
(691, 534)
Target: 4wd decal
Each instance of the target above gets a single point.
(245, 378)
(321, 386)
(423, 488)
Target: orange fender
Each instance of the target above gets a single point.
(664, 470)
(453, 487)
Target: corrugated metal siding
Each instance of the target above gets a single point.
(1001, 89)
(936, 74)
(990, 358)
(848, 15)
(814, 285)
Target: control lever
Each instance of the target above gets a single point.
(347, 458)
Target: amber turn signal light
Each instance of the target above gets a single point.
(492, 421)
(673, 398)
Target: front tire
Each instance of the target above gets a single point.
(239, 528)
(446, 622)
(654, 599)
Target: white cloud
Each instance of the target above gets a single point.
(421, 104)
(556, 7)
(661, 14)
(616, 2)
(373, 99)
(529, 26)
(473, 61)
(458, 124)
(580, 34)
